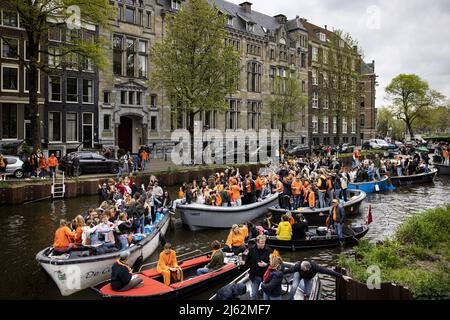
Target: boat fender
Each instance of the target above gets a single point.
(138, 263)
(377, 188)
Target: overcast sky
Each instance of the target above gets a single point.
(402, 36)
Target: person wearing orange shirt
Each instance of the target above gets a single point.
(259, 185)
(279, 187)
(236, 195)
(310, 198)
(64, 238)
(52, 164)
(42, 167)
(446, 156)
(168, 265)
(296, 192)
(236, 239)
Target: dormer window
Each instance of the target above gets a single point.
(175, 5)
(322, 36)
(230, 21)
(250, 27)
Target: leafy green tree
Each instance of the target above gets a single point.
(287, 102)
(411, 98)
(389, 125)
(37, 17)
(192, 63)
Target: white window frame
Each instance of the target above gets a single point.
(315, 100)
(50, 92)
(56, 59)
(92, 92)
(53, 40)
(12, 66)
(76, 128)
(315, 54)
(334, 125)
(67, 93)
(230, 21)
(175, 5)
(315, 124)
(344, 126)
(6, 26)
(60, 127)
(18, 48)
(353, 126)
(326, 124)
(326, 103)
(25, 81)
(315, 80)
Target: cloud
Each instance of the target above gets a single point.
(402, 36)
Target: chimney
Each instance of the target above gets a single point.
(247, 6)
(326, 27)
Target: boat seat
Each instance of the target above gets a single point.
(150, 287)
(193, 280)
(151, 273)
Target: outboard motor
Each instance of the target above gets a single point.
(357, 227)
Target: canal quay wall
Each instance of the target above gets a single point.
(18, 192)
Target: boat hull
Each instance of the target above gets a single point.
(371, 187)
(415, 179)
(73, 275)
(325, 242)
(199, 217)
(443, 169)
(317, 216)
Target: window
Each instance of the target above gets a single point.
(322, 36)
(10, 48)
(315, 124)
(303, 86)
(326, 103)
(27, 79)
(71, 127)
(233, 115)
(72, 35)
(325, 124)
(315, 54)
(72, 90)
(362, 120)
(130, 97)
(106, 97)
(250, 27)
(138, 97)
(88, 129)
(272, 54)
(315, 100)
(325, 79)
(88, 91)
(87, 64)
(71, 60)
(54, 126)
(153, 122)
(315, 81)
(142, 61)
(253, 114)
(353, 125)
(10, 19)
(54, 88)
(9, 120)
(149, 20)
(117, 55)
(283, 52)
(325, 56)
(130, 57)
(303, 60)
(344, 125)
(334, 125)
(123, 97)
(254, 73)
(54, 33)
(129, 14)
(10, 78)
(175, 5)
(107, 122)
(230, 21)
(153, 100)
(54, 57)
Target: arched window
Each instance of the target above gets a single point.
(254, 74)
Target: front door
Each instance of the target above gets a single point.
(126, 134)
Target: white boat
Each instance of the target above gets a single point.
(72, 272)
(200, 216)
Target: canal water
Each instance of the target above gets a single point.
(26, 229)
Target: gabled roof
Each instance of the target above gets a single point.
(367, 68)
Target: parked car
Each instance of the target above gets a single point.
(347, 148)
(299, 150)
(399, 144)
(14, 166)
(90, 162)
(377, 144)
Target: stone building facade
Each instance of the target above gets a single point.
(368, 115)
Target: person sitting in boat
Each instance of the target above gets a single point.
(64, 238)
(168, 265)
(181, 198)
(337, 218)
(125, 228)
(105, 233)
(122, 278)
(269, 226)
(290, 217)
(304, 272)
(299, 228)
(216, 262)
(266, 190)
(284, 230)
(231, 291)
(258, 260)
(272, 279)
(225, 196)
(236, 239)
(249, 190)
